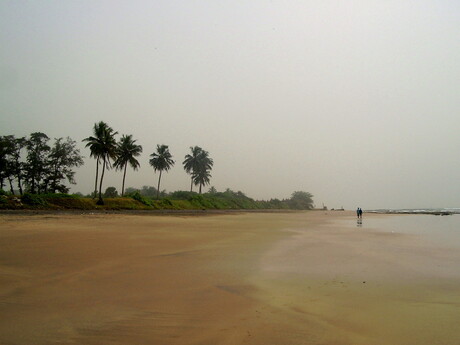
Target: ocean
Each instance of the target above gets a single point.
(443, 230)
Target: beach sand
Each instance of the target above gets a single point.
(249, 278)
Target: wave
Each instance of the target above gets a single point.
(433, 211)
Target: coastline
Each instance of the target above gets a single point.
(235, 278)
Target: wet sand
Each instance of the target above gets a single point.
(252, 278)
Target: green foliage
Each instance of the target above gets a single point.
(182, 195)
(161, 161)
(68, 201)
(110, 192)
(2, 192)
(122, 204)
(199, 165)
(63, 157)
(212, 190)
(103, 148)
(127, 151)
(301, 201)
(165, 203)
(33, 200)
(137, 196)
(36, 161)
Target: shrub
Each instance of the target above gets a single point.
(182, 195)
(137, 196)
(33, 199)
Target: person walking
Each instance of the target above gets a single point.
(360, 213)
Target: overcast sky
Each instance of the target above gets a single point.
(356, 102)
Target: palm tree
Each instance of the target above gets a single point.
(161, 160)
(94, 144)
(201, 174)
(198, 163)
(127, 150)
(192, 162)
(103, 146)
(202, 178)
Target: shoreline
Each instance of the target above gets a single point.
(277, 277)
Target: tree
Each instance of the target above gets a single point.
(127, 150)
(63, 157)
(202, 178)
(212, 190)
(199, 165)
(110, 192)
(103, 147)
(6, 152)
(149, 191)
(161, 161)
(16, 165)
(191, 162)
(202, 175)
(36, 162)
(301, 200)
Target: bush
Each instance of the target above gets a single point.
(137, 196)
(33, 199)
(182, 195)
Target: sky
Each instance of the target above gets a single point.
(356, 102)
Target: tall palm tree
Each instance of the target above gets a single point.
(192, 162)
(103, 147)
(127, 150)
(161, 160)
(95, 143)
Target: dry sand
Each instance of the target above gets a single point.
(251, 278)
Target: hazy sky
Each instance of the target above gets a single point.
(356, 102)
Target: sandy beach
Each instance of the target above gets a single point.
(249, 278)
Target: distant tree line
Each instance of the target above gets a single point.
(36, 166)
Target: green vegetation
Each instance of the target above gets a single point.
(39, 171)
(103, 147)
(161, 161)
(179, 200)
(199, 165)
(127, 151)
(44, 169)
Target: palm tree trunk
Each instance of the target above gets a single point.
(191, 185)
(158, 189)
(123, 184)
(100, 201)
(97, 175)
(200, 187)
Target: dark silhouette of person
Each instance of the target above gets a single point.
(360, 213)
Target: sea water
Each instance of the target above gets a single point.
(442, 230)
